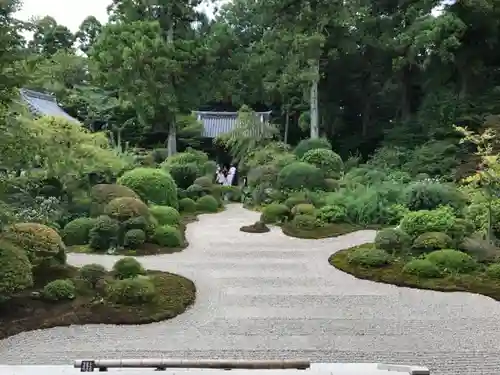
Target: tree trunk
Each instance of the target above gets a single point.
(287, 125)
(172, 131)
(314, 110)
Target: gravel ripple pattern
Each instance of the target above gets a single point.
(272, 296)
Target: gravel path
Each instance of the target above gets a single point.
(272, 296)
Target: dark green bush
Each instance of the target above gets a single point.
(135, 291)
(127, 268)
(59, 290)
(296, 199)
(207, 203)
(299, 176)
(424, 221)
(187, 157)
(147, 225)
(15, 270)
(326, 160)
(431, 195)
(306, 222)
(166, 215)
(187, 205)
(123, 209)
(394, 241)
(195, 191)
(422, 268)
(274, 213)
(167, 236)
(369, 257)
(92, 273)
(184, 175)
(76, 232)
(134, 238)
(102, 194)
(205, 182)
(104, 234)
(428, 242)
(311, 144)
(153, 186)
(449, 260)
(209, 168)
(332, 214)
(331, 184)
(304, 209)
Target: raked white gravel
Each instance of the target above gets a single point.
(272, 296)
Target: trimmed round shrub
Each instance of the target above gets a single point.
(166, 215)
(76, 232)
(59, 290)
(369, 257)
(167, 236)
(299, 176)
(135, 291)
(294, 200)
(422, 268)
(104, 234)
(394, 241)
(493, 271)
(102, 194)
(306, 222)
(428, 242)
(39, 241)
(209, 168)
(92, 273)
(332, 214)
(15, 270)
(431, 195)
(187, 205)
(274, 213)
(204, 181)
(303, 209)
(153, 186)
(195, 192)
(184, 175)
(187, 157)
(122, 209)
(147, 225)
(127, 268)
(134, 238)
(424, 221)
(207, 204)
(326, 160)
(263, 175)
(311, 144)
(331, 184)
(452, 260)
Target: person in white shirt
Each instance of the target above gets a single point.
(230, 176)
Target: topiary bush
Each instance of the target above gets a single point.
(331, 184)
(274, 213)
(131, 291)
(296, 199)
(122, 209)
(428, 242)
(167, 236)
(134, 238)
(493, 271)
(39, 241)
(299, 176)
(15, 270)
(127, 268)
(326, 160)
(422, 268)
(92, 273)
(187, 157)
(102, 194)
(184, 175)
(424, 221)
(104, 234)
(306, 222)
(449, 260)
(369, 257)
(187, 205)
(303, 209)
(147, 225)
(332, 214)
(311, 144)
(59, 290)
(76, 232)
(431, 195)
(195, 191)
(153, 186)
(205, 182)
(207, 203)
(166, 215)
(394, 241)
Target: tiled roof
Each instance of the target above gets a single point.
(41, 104)
(217, 123)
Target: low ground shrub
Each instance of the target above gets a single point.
(274, 213)
(15, 270)
(167, 236)
(428, 242)
(166, 215)
(303, 209)
(128, 267)
(422, 268)
(122, 209)
(76, 232)
(187, 205)
(311, 144)
(207, 203)
(59, 290)
(300, 175)
(92, 273)
(369, 257)
(104, 234)
(394, 241)
(453, 261)
(134, 238)
(131, 291)
(306, 222)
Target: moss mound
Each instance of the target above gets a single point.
(257, 227)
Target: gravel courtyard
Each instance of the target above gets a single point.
(272, 296)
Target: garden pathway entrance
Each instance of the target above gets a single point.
(272, 296)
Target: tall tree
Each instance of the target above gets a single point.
(87, 33)
(50, 37)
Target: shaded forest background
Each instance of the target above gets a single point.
(393, 79)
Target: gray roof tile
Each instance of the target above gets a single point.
(43, 104)
(217, 123)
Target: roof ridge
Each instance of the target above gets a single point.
(38, 95)
(217, 113)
